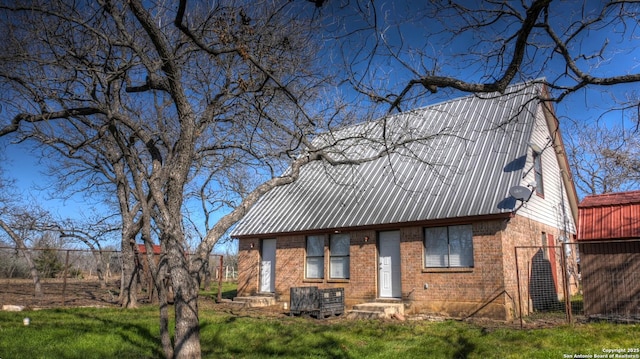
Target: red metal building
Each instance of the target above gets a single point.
(609, 238)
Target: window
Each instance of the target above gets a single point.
(447, 247)
(537, 168)
(339, 260)
(315, 257)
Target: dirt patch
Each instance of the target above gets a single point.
(57, 294)
(88, 293)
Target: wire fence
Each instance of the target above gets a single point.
(579, 281)
(76, 277)
(568, 282)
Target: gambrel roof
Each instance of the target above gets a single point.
(458, 158)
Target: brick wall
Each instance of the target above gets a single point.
(290, 252)
(248, 266)
(487, 290)
(458, 292)
(540, 269)
(290, 267)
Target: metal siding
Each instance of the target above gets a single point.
(458, 178)
(610, 216)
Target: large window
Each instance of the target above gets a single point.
(537, 168)
(446, 247)
(339, 260)
(315, 257)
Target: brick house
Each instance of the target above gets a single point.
(609, 242)
(433, 224)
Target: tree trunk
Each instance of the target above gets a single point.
(129, 281)
(34, 273)
(159, 274)
(100, 268)
(207, 276)
(100, 271)
(185, 287)
(165, 335)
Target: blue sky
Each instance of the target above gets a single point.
(584, 106)
(32, 183)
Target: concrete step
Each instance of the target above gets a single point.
(387, 308)
(376, 310)
(364, 314)
(255, 301)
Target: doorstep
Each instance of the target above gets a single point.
(255, 301)
(376, 310)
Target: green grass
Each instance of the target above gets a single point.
(80, 333)
(229, 290)
(117, 333)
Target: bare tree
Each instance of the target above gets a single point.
(605, 159)
(16, 223)
(409, 52)
(92, 235)
(23, 225)
(135, 95)
(160, 94)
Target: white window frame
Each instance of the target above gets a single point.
(448, 247)
(537, 172)
(339, 260)
(314, 255)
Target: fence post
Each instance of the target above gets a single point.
(518, 282)
(64, 279)
(220, 279)
(567, 292)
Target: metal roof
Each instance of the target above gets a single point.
(608, 199)
(610, 216)
(453, 159)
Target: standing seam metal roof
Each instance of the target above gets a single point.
(460, 164)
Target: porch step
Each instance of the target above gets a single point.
(375, 310)
(255, 301)
(364, 314)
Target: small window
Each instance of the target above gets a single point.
(339, 260)
(315, 257)
(447, 247)
(537, 168)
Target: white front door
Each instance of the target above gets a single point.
(389, 264)
(268, 266)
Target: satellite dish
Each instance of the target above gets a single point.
(520, 192)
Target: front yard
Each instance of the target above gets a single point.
(226, 333)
